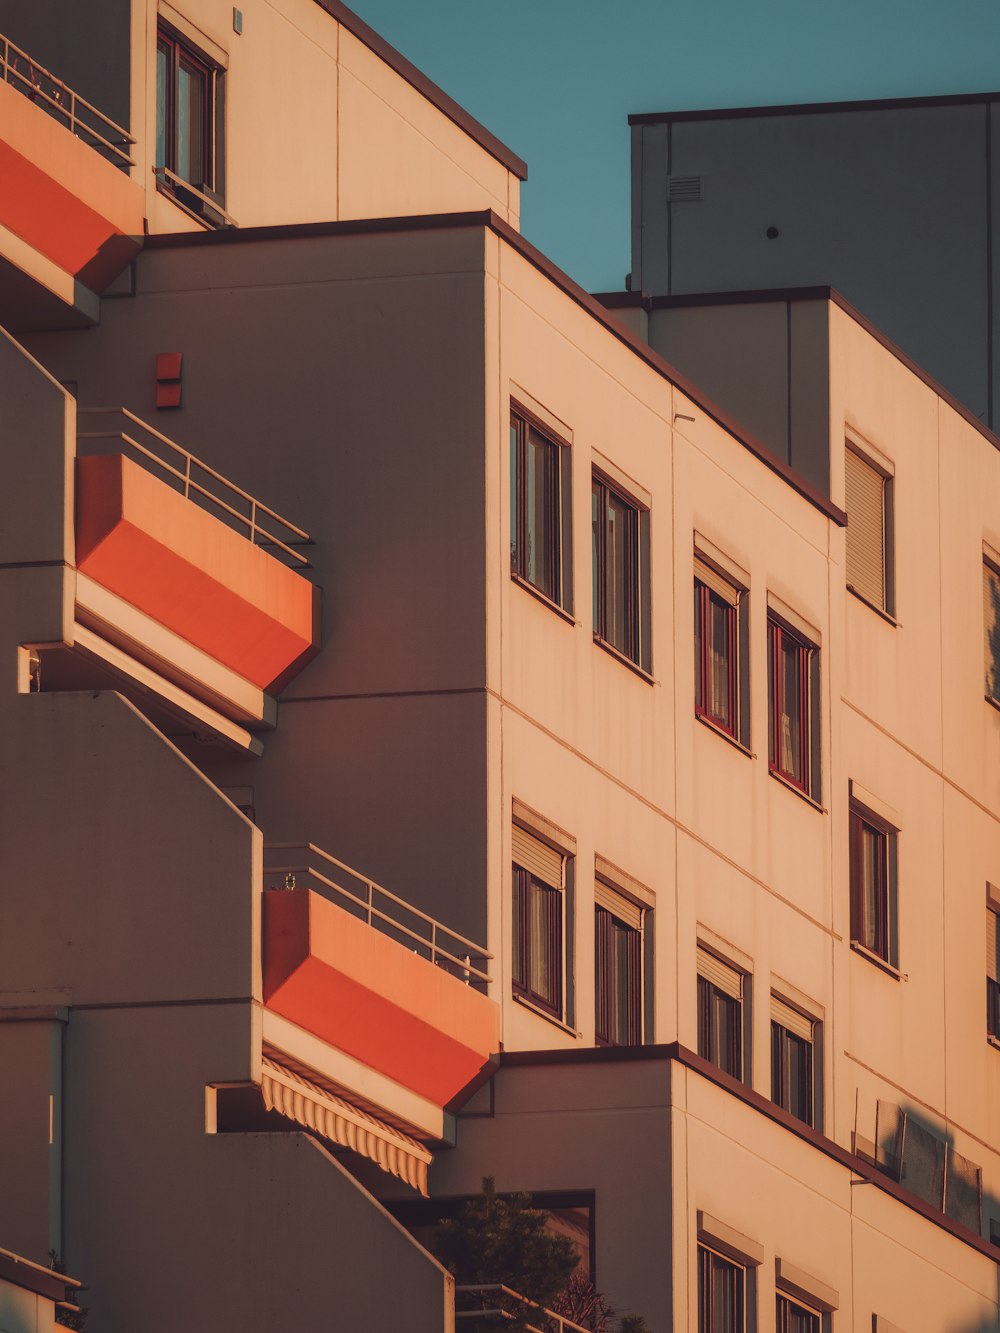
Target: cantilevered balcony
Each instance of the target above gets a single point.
(71, 218)
(395, 998)
(188, 590)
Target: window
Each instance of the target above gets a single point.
(868, 491)
(538, 921)
(620, 571)
(873, 908)
(721, 1293)
(793, 680)
(795, 1318)
(720, 1013)
(618, 930)
(538, 514)
(991, 622)
(720, 634)
(792, 1060)
(992, 976)
(188, 125)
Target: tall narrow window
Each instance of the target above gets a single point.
(872, 849)
(188, 125)
(538, 885)
(720, 1013)
(791, 1317)
(719, 648)
(992, 974)
(793, 677)
(792, 1060)
(536, 526)
(721, 1293)
(618, 927)
(620, 571)
(868, 492)
(991, 624)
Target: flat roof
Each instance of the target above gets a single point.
(816, 108)
(407, 70)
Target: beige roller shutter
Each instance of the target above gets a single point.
(537, 857)
(725, 978)
(865, 529)
(991, 945)
(991, 603)
(712, 579)
(618, 905)
(787, 1017)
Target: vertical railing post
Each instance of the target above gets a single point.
(187, 476)
(253, 521)
(371, 897)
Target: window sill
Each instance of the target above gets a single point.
(873, 606)
(543, 1013)
(543, 598)
(706, 721)
(797, 791)
(878, 960)
(619, 656)
(993, 703)
(173, 187)
(993, 1041)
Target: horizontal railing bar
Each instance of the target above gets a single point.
(563, 1323)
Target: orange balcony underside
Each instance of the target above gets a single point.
(176, 563)
(364, 994)
(62, 198)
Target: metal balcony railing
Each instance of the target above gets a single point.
(64, 104)
(289, 865)
(196, 481)
(496, 1305)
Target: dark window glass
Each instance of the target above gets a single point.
(535, 486)
(618, 950)
(870, 898)
(792, 1072)
(721, 1293)
(185, 113)
(615, 564)
(993, 1007)
(537, 951)
(795, 1318)
(789, 677)
(715, 650)
(720, 1028)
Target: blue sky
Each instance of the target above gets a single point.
(557, 79)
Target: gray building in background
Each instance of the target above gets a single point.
(892, 203)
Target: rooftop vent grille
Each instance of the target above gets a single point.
(684, 190)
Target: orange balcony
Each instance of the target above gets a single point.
(419, 1020)
(165, 575)
(70, 218)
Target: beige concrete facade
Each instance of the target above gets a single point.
(359, 377)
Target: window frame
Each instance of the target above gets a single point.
(991, 650)
(523, 424)
(735, 608)
(779, 632)
(782, 1322)
(554, 858)
(709, 1258)
(203, 198)
(884, 945)
(781, 1034)
(735, 1007)
(636, 648)
(605, 997)
(992, 966)
(885, 604)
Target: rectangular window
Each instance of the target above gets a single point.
(721, 1293)
(188, 125)
(720, 1013)
(538, 886)
(618, 930)
(868, 503)
(793, 680)
(620, 564)
(991, 624)
(873, 907)
(537, 483)
(992, 974)
(792, 1060)
(795, 1318)
(720, 634)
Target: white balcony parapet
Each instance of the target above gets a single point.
(496, 1301)
(291, 865)
(216, 493)
(80, 117)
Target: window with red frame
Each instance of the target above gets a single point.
(792, 666)
(538, 911)
(719, 637)
(873, 924)
(188, 123)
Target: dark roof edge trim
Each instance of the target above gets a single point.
(488, 218)
(814, 108)
(675, 1052)
(408, 71)
(33, 1277)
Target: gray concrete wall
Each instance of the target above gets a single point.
(888, 206)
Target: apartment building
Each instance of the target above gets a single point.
(445, 744)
